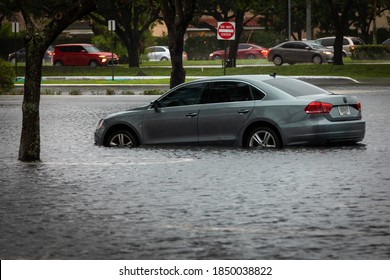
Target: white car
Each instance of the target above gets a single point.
(160, 53)
(349, 44)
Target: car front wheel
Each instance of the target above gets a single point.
(263, 137)
(317, 59)
(121, 139)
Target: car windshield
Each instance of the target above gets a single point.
(295, 87)
(91, 49)
(315, 45)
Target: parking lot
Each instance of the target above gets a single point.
(88, 202)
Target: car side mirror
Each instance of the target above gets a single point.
(155, 104)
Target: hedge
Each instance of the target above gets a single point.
(7, 76)
(371, 52)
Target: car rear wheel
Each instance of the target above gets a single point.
(317, 59)
(58, 63)
(263, 137)
(121, 139)
(278, 60)
(164, 59)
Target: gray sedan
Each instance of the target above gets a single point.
(251, 111)
(292, 52)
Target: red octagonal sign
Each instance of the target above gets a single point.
(226, 30)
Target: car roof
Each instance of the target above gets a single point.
(242, 78)
(65, 45)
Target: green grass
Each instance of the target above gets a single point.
(350, 69)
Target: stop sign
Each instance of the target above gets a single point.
(226, 30)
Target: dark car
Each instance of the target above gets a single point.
(292, 52)
(244, 51)
(82, 55)
(21, 55)
(249, 110)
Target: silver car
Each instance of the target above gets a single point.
(292, 52)
(251, 111)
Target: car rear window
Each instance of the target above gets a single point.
(296, 87)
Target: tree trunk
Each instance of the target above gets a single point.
(177, 15)
(232, 57)
(29, 149)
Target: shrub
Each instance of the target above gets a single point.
(153, 92)
(371, 52)
(75, 92)
(7, 77)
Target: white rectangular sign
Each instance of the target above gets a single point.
(111, 25)
(15, 27)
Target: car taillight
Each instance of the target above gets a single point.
(358, 106)
(317, 107)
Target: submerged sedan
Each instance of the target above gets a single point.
(263, 111)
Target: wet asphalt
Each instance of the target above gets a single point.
(87, 202)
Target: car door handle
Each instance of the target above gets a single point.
(243, 111)
(191, 115)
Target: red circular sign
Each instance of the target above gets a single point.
(226, 31)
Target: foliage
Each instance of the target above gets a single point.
(200, 47)
(7, 76)
(371, 52)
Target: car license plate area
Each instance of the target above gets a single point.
(344, 110)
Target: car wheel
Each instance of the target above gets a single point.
(251, 56)
(164, 59)
(317, 59)
(278, 60)
(216, 57)
(58, 63)
(93, 63)
(121, 139)
(263, 137)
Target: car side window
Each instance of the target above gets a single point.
(186, 95)
(219, 92)
(288, 46)
(257, 94)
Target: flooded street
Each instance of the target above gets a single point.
(88, 202)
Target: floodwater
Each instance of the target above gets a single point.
(88, 202)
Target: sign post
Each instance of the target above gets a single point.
(226, 31)
(111, 27)
(15, 29)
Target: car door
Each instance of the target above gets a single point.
(221, 118)
(173, 119)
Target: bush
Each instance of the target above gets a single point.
(7, 76)
(199, 48)
(371, 52)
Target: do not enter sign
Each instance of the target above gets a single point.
(226, 30)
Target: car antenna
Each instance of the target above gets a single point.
(273, 75)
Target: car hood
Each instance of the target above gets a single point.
(128, 112)
(107, 54)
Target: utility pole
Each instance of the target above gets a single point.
(308, 20)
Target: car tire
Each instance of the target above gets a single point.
(58, 63)
(93, 63)
(317, 59)
(263, 137)
(164, 59)
(278, 60)
(216, 57)
(251, 56)
(121, 139)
